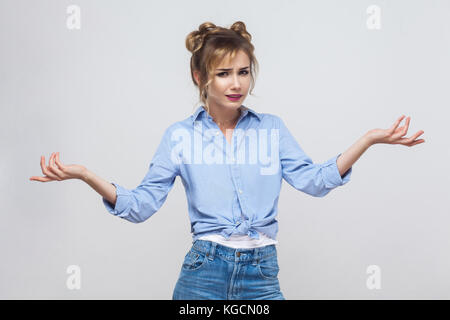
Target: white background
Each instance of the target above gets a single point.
(103, 95)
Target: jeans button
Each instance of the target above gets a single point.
(238, 254)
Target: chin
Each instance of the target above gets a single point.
(235, 103)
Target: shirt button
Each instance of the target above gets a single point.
(240, 191)
(217, 133)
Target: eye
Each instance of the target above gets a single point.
(223, 73)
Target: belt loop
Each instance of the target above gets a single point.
(212, 250)
(256, 256)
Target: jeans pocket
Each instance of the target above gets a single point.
(268, 267)
(194, 260)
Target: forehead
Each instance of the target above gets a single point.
(240, 60)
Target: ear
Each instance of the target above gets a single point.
(197, 77)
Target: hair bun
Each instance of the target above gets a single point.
(240, 28)
(206, 26)
(194, 40)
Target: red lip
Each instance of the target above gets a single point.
(234, 95)
(234, 98)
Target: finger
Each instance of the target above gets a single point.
(56, 172)
(405, 130)
(58, 163)
(406, 141)
(42, 163)
(52, 159)
(415, 142)
(395, 125)
(52, 162)
(54, 169)
(42, 179)
(420, 132)
(402, 130)
(416, 135)
(46, 171)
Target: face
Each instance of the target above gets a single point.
(231, 77)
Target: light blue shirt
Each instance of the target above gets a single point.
(230, 188)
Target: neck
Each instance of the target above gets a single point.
(224, 117)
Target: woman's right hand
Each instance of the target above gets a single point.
(57, 171)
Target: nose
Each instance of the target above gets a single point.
(236, 82)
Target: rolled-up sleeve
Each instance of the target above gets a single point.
(122, 197)
(304, 175)
(139, 204)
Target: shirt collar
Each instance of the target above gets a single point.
(245, 110)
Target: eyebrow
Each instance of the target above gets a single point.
(232, 69)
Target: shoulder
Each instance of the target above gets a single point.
(181, 124)
(270, 120)
(178, 129)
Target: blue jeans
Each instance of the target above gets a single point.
(211, 271)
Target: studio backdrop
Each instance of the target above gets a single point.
(100, 81)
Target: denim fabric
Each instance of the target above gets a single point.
(211, 271)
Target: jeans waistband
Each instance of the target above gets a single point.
(253, 255)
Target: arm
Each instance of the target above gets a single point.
(393, 135)
(298, 169)
(104, 188)
(349, 157)
(138, 204)
(134, 205)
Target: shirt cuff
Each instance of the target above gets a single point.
(331, 175)
(123, 197)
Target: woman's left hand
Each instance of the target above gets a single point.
(394, 134)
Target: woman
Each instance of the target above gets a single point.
(232, 189)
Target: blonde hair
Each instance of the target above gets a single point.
(210, 44)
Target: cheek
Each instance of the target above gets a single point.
(246, 84)
(219, 86)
